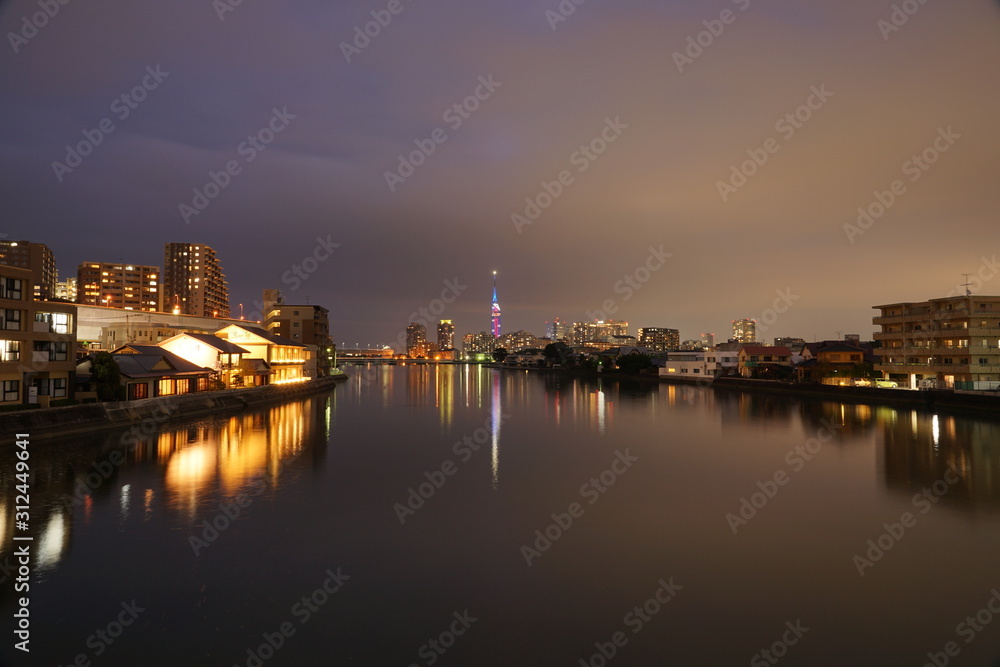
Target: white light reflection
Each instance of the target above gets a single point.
(936, 430)
(52, 542)
(123, 501)
(496, 416)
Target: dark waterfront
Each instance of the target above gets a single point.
(219, 529)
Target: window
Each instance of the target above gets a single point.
(10, 288)
(138, 391)
(166, 388)
(983, 361)
(10, 350)
(11, 390)
(11, 319)
(58, 387)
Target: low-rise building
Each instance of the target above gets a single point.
(688, 365)
(148, 371)
(765, 361)
(283, 360)
(209, 351)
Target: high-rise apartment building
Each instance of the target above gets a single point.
(193, 281)
(416, 339)
(36, 257)
(658, 339)
(745, 331)
(446, 335)
(708, 340)
(128, 286)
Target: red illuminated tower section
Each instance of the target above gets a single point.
(496, 309)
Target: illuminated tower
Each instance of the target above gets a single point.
(496, 308)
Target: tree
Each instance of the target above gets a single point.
(634, 362)
(499, 354)
(556, 352)
(106, 376)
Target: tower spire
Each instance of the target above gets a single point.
(496, 309)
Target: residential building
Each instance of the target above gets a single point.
(37, 343)
(789, 341)
(835, 362)
(599, 332)
(148, 371)
(113, 285)
(270, 359)
(479, 346)
(708, 340)
(193, 281)
(764, 361)
(225, 359)
(66, 289)
(38, 258)
(519, 340)
(416, 340)
(659, 339)
(953, 340)
(689, 365)
(446, 335)
(745, 331)
(692, 344)
(307, 324)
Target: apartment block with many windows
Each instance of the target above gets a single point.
(193, 281)
(37, 343)
(954, 340)
(114, 285)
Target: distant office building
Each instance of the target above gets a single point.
(788, 341)
(128, 286)
(559, 331)
(708, 340)
(659, 339)
(852, 338)
(193, 281)
(416, 339)
(36, 257)
(601, 332)
(66, 289)
(446, 335)
(745, 331)
(692, 344)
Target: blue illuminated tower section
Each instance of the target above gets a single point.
(496, 309)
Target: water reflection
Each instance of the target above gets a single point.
(177, 470)
(919, 448)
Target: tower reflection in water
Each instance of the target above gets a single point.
(178, 469)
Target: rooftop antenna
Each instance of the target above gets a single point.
(967, 284)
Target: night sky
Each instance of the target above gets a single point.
(677, 119)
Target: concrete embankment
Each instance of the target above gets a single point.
(76, 419)
(950, 401)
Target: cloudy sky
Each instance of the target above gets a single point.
(672, 102)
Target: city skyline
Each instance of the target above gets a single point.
(690, 175)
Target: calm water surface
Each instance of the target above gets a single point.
(557, 512)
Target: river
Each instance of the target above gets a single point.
(459, 515)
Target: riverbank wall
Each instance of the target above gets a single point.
(47, 423)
